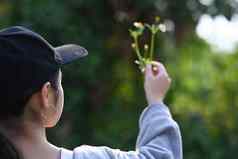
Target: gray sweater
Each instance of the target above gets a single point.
(159, 138)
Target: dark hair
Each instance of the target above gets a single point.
(15, 107)
(7, 149)
(54, 80)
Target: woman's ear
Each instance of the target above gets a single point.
(45, 95)
(42, 106)
(49, 109)
(39, 104)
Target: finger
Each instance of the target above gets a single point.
(155, 63)
(155, 67)
(160, 68)
(148, 71)
(155, 70)
(169, 79)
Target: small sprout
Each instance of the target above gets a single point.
(153, 28)
(142, 70)
(162, 28)
(148, 50)
(133, 45)
(137, 62)
(146, 47)
(138, 31)
(134, 34)
(138, 25)
(157, 19)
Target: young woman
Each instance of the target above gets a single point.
(32, 100)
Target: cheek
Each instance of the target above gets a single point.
(60, 101)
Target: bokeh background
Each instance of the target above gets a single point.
(104, 93)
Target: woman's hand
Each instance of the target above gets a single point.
(157, 82)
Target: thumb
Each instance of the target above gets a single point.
(148, 71)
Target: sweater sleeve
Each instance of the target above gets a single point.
(159, 138)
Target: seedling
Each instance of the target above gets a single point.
(145, 55)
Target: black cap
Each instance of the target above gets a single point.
(27, 61)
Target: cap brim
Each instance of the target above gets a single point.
(69, 53)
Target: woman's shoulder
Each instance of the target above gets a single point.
(66, 154)
(84, 151)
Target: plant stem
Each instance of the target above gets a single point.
(146, 53)
(137, 50)
(152, 46)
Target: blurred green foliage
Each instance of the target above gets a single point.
(104, 92)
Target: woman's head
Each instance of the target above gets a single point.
(43, 105)
(30, 81)
(41, 108)
(27, 63)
